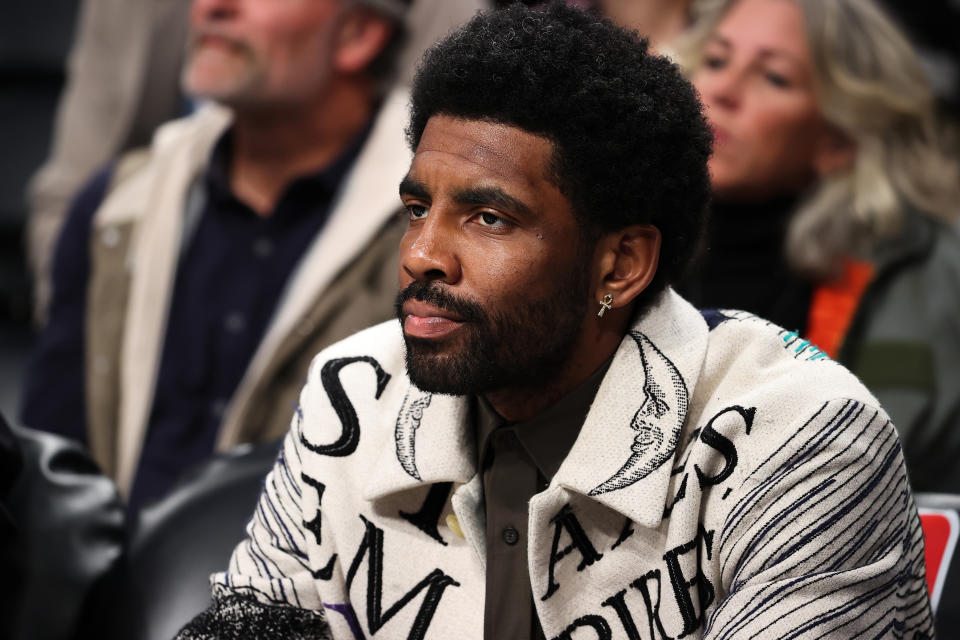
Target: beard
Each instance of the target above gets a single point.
(523, 346)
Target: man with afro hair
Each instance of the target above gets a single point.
(552, 443)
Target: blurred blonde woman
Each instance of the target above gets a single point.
(835, 206)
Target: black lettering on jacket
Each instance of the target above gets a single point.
(313, 526)
(597, 623)
(429, 514)
(714, 439)
(653, 607)
(680, 495)
(350, 435)
(435, 584)
(617, 603)
(625, 533)
(688, 450)
(682, 585)
(565, 520)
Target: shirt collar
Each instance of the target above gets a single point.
(303, 192)
(548, 436)
(625, 450)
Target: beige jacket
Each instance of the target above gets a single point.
(729, 481)
(346, 280)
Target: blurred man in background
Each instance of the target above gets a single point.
(195, 279)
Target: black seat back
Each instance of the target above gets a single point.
(65, 533)
(189, 535)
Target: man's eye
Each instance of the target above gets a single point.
(416, 211)
(488, 219)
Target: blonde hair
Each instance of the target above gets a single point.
(871, 87)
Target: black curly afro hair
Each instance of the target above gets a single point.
(630, 141)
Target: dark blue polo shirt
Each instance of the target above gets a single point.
(232, 272)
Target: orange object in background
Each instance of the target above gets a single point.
(834, 304)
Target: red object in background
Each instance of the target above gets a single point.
(940, 529)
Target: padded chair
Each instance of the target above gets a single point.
(64, 532)
(940, 518)
(189, 535)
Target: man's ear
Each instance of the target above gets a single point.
(362, 35)
(628, 261)
(835, 151)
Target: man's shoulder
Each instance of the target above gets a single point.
(783, 383)
(746, 351)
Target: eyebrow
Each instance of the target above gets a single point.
(493, 196)
(409, 186)
(766, 52)
(716, 38)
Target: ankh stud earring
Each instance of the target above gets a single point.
(605, 304)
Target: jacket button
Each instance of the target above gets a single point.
(510, 535)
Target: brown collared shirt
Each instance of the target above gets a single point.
(518, 461)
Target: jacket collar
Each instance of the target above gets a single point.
(626, 448)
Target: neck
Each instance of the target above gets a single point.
(597, 345)
(274, 146)
(659, 20)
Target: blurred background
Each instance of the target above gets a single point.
(34, 42)
(36, 39)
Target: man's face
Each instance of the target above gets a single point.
(250, 53)
(494, 275)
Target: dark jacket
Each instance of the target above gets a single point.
(904, 344)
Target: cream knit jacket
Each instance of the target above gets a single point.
(730, 481)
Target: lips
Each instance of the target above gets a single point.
(423, 320)
(720, 136)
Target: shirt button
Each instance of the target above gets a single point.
(510, 535)
(454, 525)
(263, 248)
(218, 408)
(235, 322)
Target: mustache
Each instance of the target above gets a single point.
(434, 293)
(214, 31)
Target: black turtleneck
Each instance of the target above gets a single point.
(744, 266)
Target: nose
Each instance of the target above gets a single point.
(428, 251)
(721, 88)
(205, 10)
